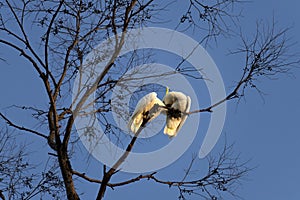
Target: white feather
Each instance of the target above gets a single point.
(145, 106)
(179, 104)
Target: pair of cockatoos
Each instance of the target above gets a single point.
(175, 106)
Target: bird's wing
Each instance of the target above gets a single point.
(171, 126)
(143, 105)
(184, 116)
(159, 102)
(180, 102)
(156, 108)
(135, 122)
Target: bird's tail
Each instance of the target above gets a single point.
(134, 123)
(171, 132)
(134, 127)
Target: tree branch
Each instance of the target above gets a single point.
(10, 123)
(46, 46)
(265, 56)
(82, 175)
(223, 172)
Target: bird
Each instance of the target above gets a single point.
(147, 108)
(178, 105)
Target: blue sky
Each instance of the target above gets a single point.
(267, 131)
(263, 130)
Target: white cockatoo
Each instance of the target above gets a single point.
(178, 104)
(147, 108)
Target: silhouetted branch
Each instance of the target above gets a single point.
(266, 55)
(107, 175)
(66, 31)
(17, 177)
(224, 173)
(212, 18)
(10, 123)
(84, 176)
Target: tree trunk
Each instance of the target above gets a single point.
(66, 171)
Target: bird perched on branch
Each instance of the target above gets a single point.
(178, 104)
(146, 110)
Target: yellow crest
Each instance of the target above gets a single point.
(167, 90)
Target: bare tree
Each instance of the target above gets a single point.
(67, 30)
(16, 178)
